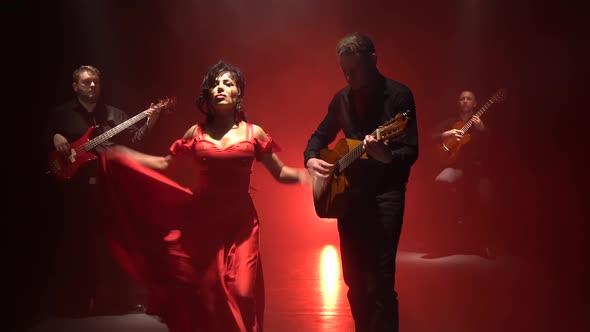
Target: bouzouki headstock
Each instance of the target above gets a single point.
(393, 126)
(499, 96)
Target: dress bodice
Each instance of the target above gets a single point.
(223, 170)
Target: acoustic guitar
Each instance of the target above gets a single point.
(447, 151)
(65, 166)
(330, 194)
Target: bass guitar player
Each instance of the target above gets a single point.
(82, 277)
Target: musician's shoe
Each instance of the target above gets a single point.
(138, 309)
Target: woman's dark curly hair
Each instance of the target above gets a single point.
(204, 99)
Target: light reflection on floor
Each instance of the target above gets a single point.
(455, 292)
(329, 276)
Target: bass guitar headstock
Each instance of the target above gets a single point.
(166, 104)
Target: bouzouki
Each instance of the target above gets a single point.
(448, 150)
(330, 194)
(64, 167)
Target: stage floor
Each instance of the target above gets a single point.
(438, 292)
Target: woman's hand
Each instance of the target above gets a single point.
(304, 177)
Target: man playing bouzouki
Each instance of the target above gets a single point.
(463, 187)
(453, 135)
(81, 263)
(370, 224)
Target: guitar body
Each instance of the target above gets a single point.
(330, 194)
(64, 167)
(448, 150)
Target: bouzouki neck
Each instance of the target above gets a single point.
(498, 97)
(389, 129)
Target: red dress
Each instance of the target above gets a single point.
(197, 251)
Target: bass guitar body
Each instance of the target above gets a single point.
(64, 167)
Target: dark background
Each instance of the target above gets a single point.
(152, 49)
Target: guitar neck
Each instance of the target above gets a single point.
(98, 140)
(351, 156)
(382, 132)
(479, 113)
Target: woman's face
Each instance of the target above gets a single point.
(224, 92)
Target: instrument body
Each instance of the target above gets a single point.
(332, 194)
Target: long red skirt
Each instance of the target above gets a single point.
(198, 255)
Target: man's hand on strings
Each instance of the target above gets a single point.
(377, 150)
(318, 168)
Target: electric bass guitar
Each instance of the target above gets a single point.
(448, 150)
(330, 194)
(65, 166)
